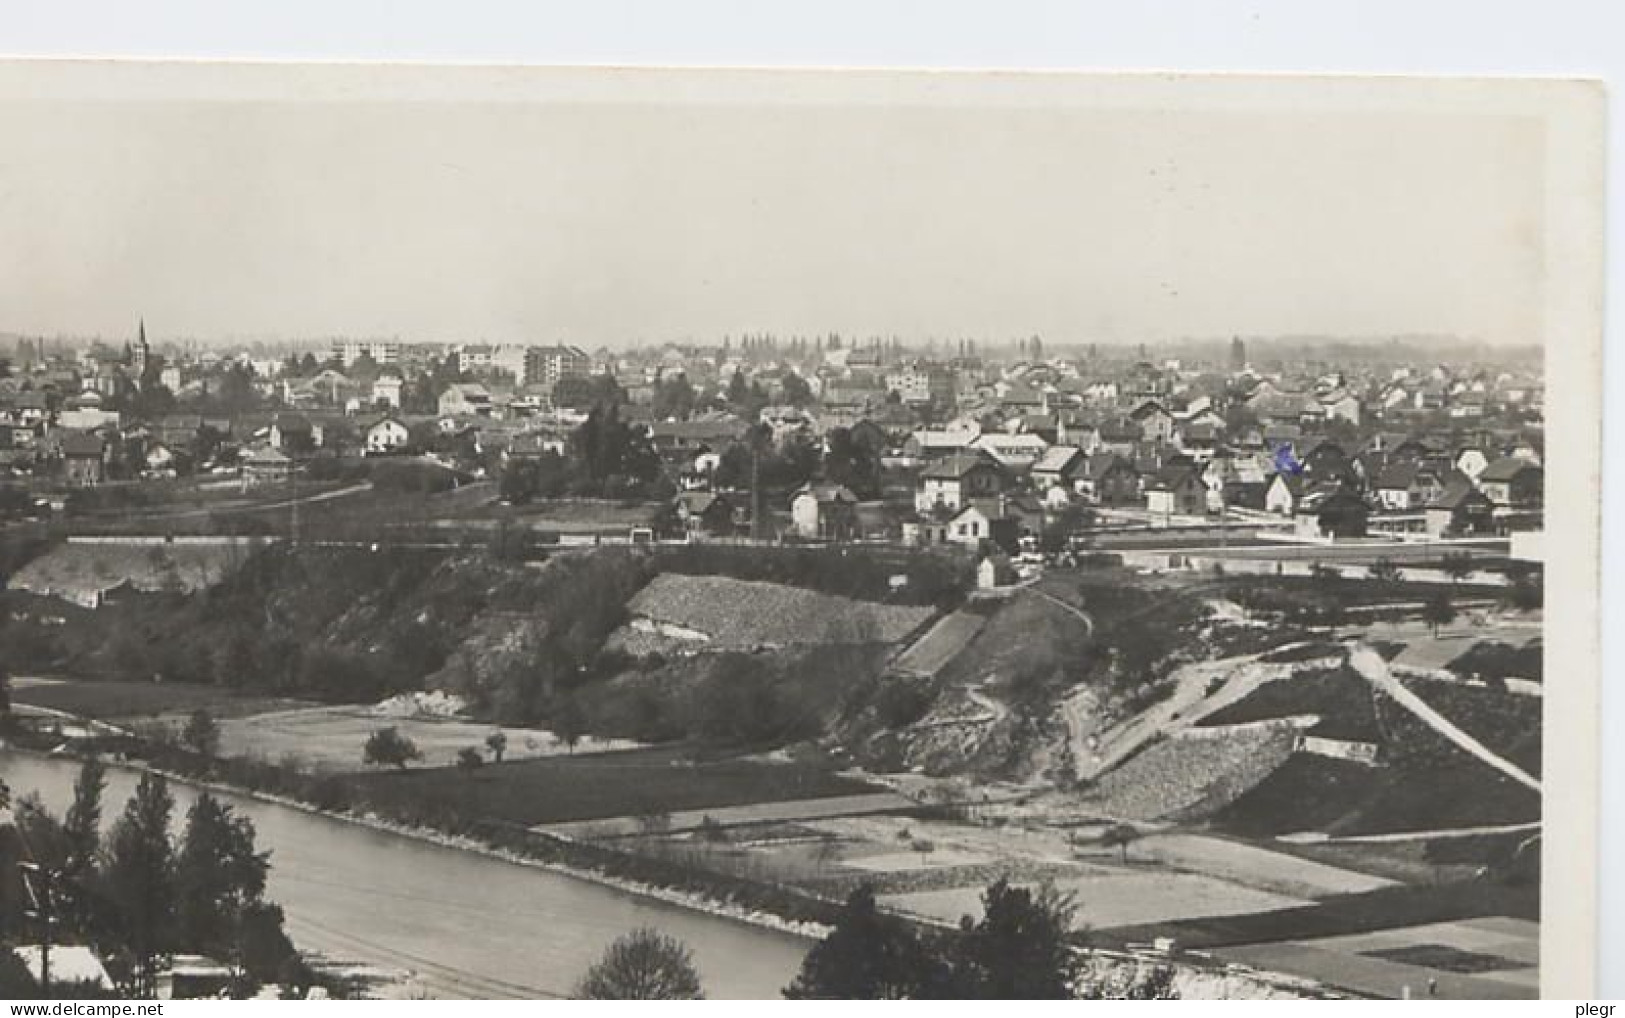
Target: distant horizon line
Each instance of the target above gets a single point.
(848, 340)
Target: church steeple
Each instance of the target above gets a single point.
(142, 350)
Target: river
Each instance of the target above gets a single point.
(469, 926)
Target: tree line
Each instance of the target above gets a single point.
(1020, 949)
(140, 895)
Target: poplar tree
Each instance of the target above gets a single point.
(139, 879)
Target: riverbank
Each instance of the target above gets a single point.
(741, 902)
(465, 925)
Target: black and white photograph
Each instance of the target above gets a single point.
(539, 533)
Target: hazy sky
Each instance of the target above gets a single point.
(619, 222)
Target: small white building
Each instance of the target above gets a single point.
(387, 435)
(386, 391)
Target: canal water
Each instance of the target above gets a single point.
(468, 925)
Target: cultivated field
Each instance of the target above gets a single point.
(553, 789)
(1108, 897)
(331, 738)
(1494, 957)
(131, 701)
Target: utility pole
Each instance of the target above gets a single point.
(755, 493)
(38, 880)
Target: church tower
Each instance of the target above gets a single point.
(141, 353)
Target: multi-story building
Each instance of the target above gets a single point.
(546, 365)
(382, 351)
(921, 383)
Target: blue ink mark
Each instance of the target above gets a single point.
(1285, 462)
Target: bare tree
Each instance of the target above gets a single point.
(1120, 836)
(643, 965)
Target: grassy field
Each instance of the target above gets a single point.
(555, 789)
(116, 701)
(332, 738)
(1114, 897)
(1386, 908)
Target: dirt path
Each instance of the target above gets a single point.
(1402, 836)
(1088, 621)
(1371, 667)
(1189, 703)
(325, 496)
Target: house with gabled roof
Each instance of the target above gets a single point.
(1331, 510)
(1200, 440)
(982, 521)
(266, 465)
(953, 481)
(386, 435)
(1512, 482)
(1405, 485)
(1281, 497)
(824, 512)
(1060, 467)
(1177, 490)
(1460, 509)
(1110, 480)
(1014, 452)
(1119, 436)
(1156, 424)
(84, 457)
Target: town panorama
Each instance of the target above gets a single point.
(819, 665)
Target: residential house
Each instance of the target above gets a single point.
(1021, 397)
(1120, 437)
(687, 439)
(266, 465)
(1015, 452)
(465, 399)
(1406, 485)
(983, 520)
(536, 444)
(1278, 435)
(386, 391)
(159, 458)
(1323, 459)
(1472, 461)
(953, 481)
(824, 512)
(1177, 490)
(29, 408)
(1200, 441)
(931, 443)
(1061, 466)
(387, 435)
(1513, 482)
(877, 521)
(84, 457)
(293, 434)
(1331, 510)
(1340, 405)
(1156, 424)
(706, 512)
(1110, 480)
(1460, 509)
